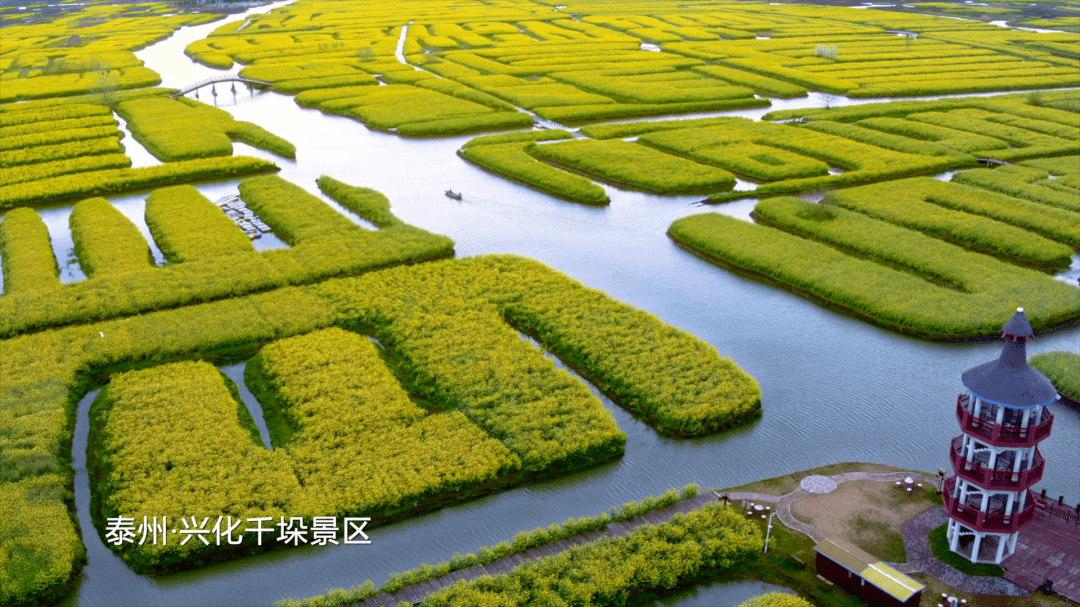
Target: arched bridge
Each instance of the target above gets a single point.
(216, 79)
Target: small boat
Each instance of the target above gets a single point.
(453, 194)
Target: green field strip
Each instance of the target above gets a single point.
(1062, 368)
(44, 170)
(106, 242)
(962, 141)
(83, 122)
(56, 137)
(634, 166)
(981, 221)
(1018, 181)
(724, 395)
(115, 181)
(577, 114)
(60, 151)
(187, 226)
(881, 139)
(650, 559)
(415, 309)
(1012, 135)
(983, 290)
(26, 252)
(1062, 165)
(183, 129)
(760, 84)
(74, 84)
(759, 162)
(325, 244)
(369, 204)
(28, 113)
(165, 435)
(511, 161)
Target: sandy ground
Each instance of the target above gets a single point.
(865, 513)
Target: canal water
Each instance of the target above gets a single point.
(834, 389)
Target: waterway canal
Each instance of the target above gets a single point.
(834, 389)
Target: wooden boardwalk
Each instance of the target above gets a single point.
(416, 593)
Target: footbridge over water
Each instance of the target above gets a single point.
(219, 79)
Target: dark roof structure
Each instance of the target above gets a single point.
(1010, 380)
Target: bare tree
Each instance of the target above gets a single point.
(106, 80)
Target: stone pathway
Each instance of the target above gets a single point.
(917, 549)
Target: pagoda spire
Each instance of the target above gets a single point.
(1003, 416)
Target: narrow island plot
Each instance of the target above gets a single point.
(904, 277)
(208, 257)
(54, 149)
(450, 333)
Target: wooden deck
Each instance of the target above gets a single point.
(416, 593)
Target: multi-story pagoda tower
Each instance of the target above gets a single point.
(1003, 416)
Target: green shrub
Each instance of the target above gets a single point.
(776, 599)
(1062, 367)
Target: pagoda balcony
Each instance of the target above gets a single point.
(1001, 435)
(985, 522)
(995, 480)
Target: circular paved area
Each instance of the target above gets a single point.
(817, 484)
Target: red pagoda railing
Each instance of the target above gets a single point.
(982, 521)
(1001, 435)
(995, 480)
